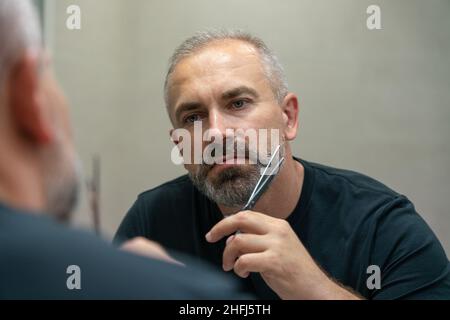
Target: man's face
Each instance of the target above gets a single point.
(59, 159)
(224, 86)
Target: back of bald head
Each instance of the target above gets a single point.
(19, 32)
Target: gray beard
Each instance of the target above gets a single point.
(231, 188)
(62, 189)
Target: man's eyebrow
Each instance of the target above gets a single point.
(236, 92)
(227, 95)
(186, 106)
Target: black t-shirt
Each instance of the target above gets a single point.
(35, 253)
(346, 221)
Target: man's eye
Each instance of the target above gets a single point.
(239, 104)
(192, 118)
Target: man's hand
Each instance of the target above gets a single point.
(144, 247)
(269, 246)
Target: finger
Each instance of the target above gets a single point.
(140, 243)
(245, 221)
(251, 262)
(230, 238)
(241, 244)
(150, 249)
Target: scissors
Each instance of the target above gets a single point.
(264, 181)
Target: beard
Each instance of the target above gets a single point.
(232, 186)
(62, 183)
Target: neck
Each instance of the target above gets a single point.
(282, 196)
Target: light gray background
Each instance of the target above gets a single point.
(377, 102)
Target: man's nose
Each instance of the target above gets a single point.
(217, 122)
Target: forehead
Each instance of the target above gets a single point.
(218, 67)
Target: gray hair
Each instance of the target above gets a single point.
(272, 67)
(19, 30)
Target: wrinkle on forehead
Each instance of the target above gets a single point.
(213, 62)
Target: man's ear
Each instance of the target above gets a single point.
(30, 115)
(290, 116)
(175, 139)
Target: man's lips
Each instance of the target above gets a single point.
(232, 160)
(228, 162)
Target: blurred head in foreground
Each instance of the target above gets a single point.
(38, 163)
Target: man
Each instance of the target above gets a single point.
(39, 258)
(317, 232)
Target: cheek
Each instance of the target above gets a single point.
(270, 117)
(56, 99)
(274, 122)
(191, 168)
(64, 123)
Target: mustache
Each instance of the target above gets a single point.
(229, 149)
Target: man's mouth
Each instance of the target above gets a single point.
(227, 162)
(229, 159)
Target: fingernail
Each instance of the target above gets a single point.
(230, 239)
(208, 236)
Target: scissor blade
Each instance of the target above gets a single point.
(264, 174)
(262, 187)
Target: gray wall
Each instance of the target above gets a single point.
(373, 101)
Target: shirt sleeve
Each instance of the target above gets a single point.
(413, 263)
